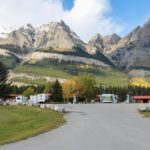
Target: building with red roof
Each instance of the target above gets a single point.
(141, 99)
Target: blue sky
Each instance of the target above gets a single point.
(68, 4)
(84, 17)
(132, 13)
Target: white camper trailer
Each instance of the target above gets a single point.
(40, 98)
(34, 99)
(21, 99)
(109, 98)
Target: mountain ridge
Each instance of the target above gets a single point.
(55, 44)
(55, 35)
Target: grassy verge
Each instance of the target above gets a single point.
(19, 122)
(146, 114)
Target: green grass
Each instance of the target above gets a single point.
(112, 77)
(147, 79)
(20, 122)
(146, 114)
(67, 70)
(52, 72)
(29, 81)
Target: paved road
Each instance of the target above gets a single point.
(94, 127)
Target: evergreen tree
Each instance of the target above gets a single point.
(4, 88)
(3, 73)
(57, 92)
(40, 89)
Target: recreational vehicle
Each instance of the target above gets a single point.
(21, 99)
(109, 98)
(40, 98)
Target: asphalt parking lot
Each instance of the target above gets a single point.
(94, 127)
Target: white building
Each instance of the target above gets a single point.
(21, 99)
(109, 98)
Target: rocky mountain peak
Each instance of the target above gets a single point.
(100, 43)
(97, 37)
(64, 25)
(5, 30)
(57, 35)
(95, 44)
(110, 40)
(115, 36)
(133, 51)
(97, 41)
(28, 31)
(140, 36)
(27, 27)
(54, 26)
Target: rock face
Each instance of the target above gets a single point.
(95, 44)
(110, 40)
(138, 73)
(29, 32)
(57, 35)
(130, 52)
(68, 58)
(133, 51)
(19, 41)
(102, 43)
(5, 30)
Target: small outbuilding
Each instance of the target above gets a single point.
(141, 99)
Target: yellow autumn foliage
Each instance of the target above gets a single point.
(137, 81)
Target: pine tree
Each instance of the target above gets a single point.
(4, 89)
(57, 92)
(2, 73)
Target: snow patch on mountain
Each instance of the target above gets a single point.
(5, 30)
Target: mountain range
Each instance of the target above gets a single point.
(55, 47)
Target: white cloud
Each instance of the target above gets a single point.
(86, 18)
